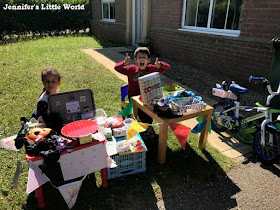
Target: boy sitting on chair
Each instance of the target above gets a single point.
(142, 67)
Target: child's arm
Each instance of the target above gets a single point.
(126, 60)
(122, 67)
(160, 66)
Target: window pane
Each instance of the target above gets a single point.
(219, 14)
(105, 10)
(112, 10)
(197, 13)
(191, 12)
(225, 14)
(203, 10)
(233, 21)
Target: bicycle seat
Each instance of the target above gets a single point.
(237, 89)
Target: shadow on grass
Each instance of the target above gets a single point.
(186, 181)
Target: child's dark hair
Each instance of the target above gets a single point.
(50, 71)
(144, 50)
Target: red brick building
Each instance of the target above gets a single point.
(230, 37)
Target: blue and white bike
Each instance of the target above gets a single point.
(226, 113)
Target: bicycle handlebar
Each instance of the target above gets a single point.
(258, 80)
(266, 82)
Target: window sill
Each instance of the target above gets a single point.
(108, 20)
(222, 32)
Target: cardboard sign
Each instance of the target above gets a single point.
(83, 161)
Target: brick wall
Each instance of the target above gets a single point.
(114, 31)
(261, 19)
(167, 13)
(235, 57)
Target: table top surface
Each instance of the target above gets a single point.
(189, 114)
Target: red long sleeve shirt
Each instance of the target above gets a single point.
(133, 72)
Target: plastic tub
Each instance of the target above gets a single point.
(100, 117)
(127, 122)
(123, 146)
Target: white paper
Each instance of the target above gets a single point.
(8, 143)
(83, 161)
(111, 148)
(72, 107)
(70, 192)
(35, 178)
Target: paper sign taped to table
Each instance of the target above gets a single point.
(83, 161)
(150, 87)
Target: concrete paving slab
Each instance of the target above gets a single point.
(226, 143)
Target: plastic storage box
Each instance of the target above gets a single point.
(128, 164)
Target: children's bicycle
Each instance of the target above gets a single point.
(226, 113)
(266, 142)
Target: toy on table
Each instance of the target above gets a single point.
(114, 122)
(36, 135)
(118, 132)
(107, 132)
(123, 146)
(134, 144)
(150, 87)
(171, 89)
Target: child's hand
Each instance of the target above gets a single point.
(126, 60)
(158, 63)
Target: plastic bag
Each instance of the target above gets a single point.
(114, 122)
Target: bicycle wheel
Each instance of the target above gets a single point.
(269, 153)
(219, 107)
(247, 131)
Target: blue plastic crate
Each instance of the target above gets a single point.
(128, 164)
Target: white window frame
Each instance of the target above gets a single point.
(207, 30)
(107, 19)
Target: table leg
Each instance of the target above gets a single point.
(40, 198)
(104, 177)
(162, 142)
(135, 110)
(204, 133)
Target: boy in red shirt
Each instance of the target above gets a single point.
(142, 67)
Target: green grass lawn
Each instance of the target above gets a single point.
(20, 67)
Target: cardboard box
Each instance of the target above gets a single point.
(150, 87)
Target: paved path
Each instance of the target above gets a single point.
(225, 143)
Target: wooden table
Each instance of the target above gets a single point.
(163, 130)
